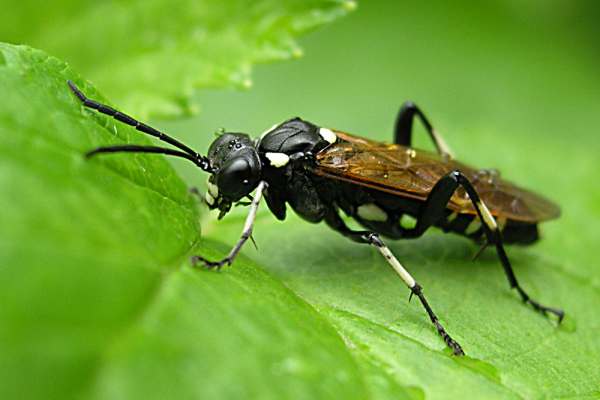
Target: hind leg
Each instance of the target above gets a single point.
(404, 124)
(434, 208)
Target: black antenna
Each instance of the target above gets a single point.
(198, 159)
(132, 148)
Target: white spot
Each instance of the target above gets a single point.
(371, 212)
(487, 216)
(408, 221)
(473, 226)
(278, 160)
(213, 189)
(209, 199)
(328, 135)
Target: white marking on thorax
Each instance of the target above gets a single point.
(277, 160)
(328, 135)
(371, 212)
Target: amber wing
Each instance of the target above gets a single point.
(412, 173)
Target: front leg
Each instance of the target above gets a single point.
(334, 221)
(246, 233)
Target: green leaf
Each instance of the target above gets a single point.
(98, 298)
(512, 351)
(149, 55)
(508, 87)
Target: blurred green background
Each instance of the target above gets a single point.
(99, 300)
(511, 84)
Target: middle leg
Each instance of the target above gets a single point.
(335, 221)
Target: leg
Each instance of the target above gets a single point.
(403, 129)
(335, 222)
(246, 233)
(434, 209)
(140, 126)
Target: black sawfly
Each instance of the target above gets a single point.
(319, 172)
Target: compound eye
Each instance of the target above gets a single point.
(237, 178)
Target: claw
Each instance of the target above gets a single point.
(456, 349)
(451, 343)
(210, 264)
(560, 314)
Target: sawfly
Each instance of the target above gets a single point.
(392, 190)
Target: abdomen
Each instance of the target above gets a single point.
(469, 225)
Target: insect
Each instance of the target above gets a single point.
(320, 172)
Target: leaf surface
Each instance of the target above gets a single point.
(149, 55)
(98, 298)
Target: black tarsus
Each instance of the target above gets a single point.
(417, 290)
(199, 160)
